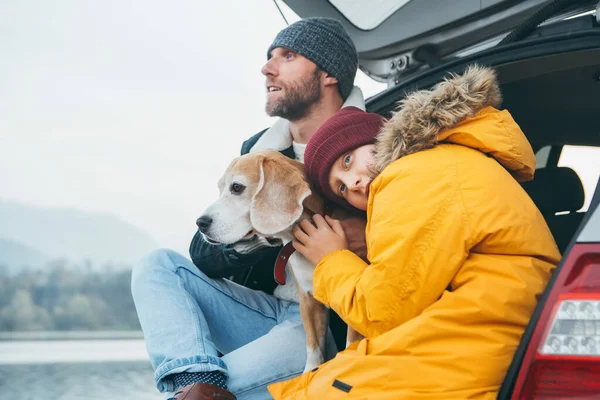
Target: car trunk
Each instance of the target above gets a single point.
(551, 86)
(395, 38)
(549, 77)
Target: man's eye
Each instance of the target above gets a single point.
(236, 188)
(289, 55)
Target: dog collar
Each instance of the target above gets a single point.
(281, 261)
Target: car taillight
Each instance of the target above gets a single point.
(563, 357)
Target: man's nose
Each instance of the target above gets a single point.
(269, 69)
(204, 223)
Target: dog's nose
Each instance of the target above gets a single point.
(204, 223)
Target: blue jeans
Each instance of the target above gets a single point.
(189, 319)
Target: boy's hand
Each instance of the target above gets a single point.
(316, 241)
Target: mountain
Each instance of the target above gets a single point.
(16, 255)
(72, 234)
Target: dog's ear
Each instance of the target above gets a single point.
(277, 203)
(315, 203)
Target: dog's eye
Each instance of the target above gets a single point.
(236, 188)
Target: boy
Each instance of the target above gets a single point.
(458, 251)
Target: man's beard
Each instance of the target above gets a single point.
(299, 98)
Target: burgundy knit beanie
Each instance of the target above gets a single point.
(348, 129)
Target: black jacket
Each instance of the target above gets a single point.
(253, 270)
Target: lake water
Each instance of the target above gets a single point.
(76, 370)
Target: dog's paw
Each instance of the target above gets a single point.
(313, 360)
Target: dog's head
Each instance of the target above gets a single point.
(261, 194)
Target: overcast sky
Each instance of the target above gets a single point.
(131, 107)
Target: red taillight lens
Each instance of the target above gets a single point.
(562, 360)
(563, 379)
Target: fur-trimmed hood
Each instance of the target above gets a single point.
(460, 110)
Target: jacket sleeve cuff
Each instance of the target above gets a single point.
(335, 272)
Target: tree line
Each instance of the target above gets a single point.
(67, 297)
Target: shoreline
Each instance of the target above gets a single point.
(72, 351)
(69, 335)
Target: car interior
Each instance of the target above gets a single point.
(555, 101)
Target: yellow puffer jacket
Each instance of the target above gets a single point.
(459, 255)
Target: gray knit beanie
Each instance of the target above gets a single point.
(325, 42)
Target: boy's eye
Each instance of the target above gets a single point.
(347, 160)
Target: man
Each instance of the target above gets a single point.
(209, 337)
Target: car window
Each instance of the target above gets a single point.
(585, 161)
(368, 15)
(541, 157)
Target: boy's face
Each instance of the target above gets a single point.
(351, 175)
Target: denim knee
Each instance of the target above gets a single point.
(150, 264)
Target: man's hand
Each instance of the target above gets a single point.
(354, 227)
(316, 241)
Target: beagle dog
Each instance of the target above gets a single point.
(262, 196)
